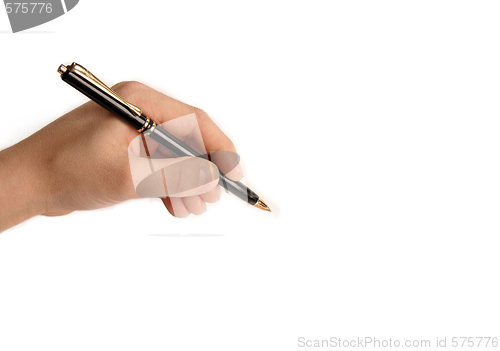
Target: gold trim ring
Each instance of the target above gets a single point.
(146, 124)
(150, 130)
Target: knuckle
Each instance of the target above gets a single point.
(200, 114)
(128, 88)
(225, 144)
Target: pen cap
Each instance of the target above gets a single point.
(82, 80)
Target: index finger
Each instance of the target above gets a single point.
(219, 146)
(162, 108)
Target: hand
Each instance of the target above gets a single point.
(81, 161)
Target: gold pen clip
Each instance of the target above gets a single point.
(85, 74)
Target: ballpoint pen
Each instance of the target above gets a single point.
(85, 82)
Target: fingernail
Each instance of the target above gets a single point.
(236, 173)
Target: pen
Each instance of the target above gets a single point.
(85, 82)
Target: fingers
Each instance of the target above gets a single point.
(194, 127)
(229, 163)
(176, 207)
(162, 108)
(215, 143)
(212, 196)
(173, 177)
(197, 205)
(236, 173)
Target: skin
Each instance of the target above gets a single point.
(80, 161)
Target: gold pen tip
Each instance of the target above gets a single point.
(262, 205)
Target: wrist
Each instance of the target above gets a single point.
(22, 190)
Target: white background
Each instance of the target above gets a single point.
(371, 126)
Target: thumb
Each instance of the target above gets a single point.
(172, 177)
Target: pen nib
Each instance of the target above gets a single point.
(262, 205)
